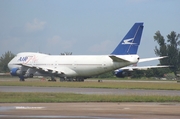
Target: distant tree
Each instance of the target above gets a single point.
(66, 53)
(4, 60)
(160, 72)
(162, 50)
(149, 73)
(170, 49)
(173, 50)
(137, 74)
(109, 74)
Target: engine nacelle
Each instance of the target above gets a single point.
(121, 73)
(15, 72)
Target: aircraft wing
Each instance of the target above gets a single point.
(44, 69)
(141, 67)
(150, 59)
(58, 71)
(125, 71)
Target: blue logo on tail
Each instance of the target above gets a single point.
(130, 43)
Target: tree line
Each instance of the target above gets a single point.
(4, 60)
(170, 48)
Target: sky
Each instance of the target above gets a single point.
(83, 27)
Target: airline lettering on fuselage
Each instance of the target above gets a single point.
(27, 59)
(23, 59)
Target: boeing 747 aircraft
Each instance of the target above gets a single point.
(78, 67)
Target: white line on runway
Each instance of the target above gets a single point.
(31, 108)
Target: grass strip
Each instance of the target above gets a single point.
(9, 97)
(114, 85)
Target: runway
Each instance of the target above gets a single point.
(99, 91)
(90, 110)
(105, 110)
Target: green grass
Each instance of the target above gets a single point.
(115, 85)
(8, 97)
(20, 97)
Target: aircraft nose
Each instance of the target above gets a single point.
(9, 66)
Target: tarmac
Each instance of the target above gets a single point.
(102, 110)
(99, 91)
(90, 110)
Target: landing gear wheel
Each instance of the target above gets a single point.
(21, 79)
(52, 79)
(62, 79)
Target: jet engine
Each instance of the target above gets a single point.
(23, 73)
(122, 73)
(16, 72)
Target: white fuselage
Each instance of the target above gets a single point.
(70, 65)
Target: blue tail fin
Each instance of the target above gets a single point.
(130, 43)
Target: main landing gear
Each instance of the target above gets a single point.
(71, 79)
(21, 78)
(52, 79)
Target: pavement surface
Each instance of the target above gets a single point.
(89, 90)
(90, 111)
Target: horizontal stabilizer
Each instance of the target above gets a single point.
(117, 59)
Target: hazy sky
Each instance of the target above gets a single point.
(83, 26)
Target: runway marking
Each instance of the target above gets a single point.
(59, 117)
(31, 108)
